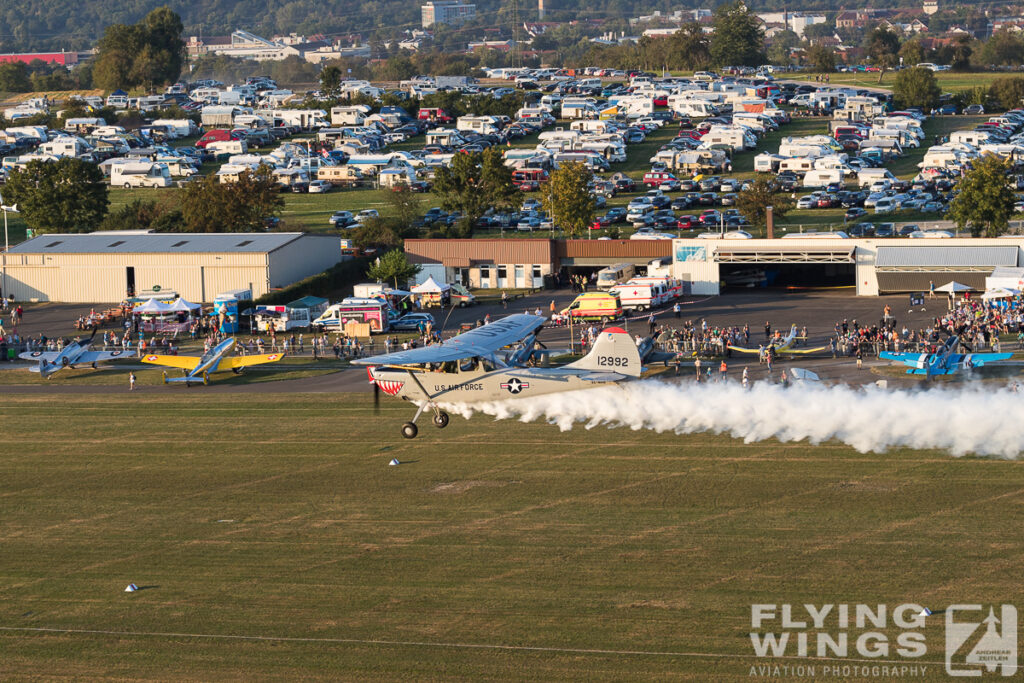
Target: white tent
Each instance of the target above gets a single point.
(430, 286)
(180, 304)
(999, 293)
(953, 287)
(154, 307)
(1005, 277)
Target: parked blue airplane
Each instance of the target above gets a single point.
(946, 361)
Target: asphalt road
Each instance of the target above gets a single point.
(818, 310)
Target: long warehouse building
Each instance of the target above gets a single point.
(104, 267)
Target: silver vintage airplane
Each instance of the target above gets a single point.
(473, 368)
(75, 353)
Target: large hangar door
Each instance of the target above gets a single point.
(786, 266)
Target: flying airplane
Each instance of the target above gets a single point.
(782, 345)
(946, 361)
(75, 353)
(471, 368)
(198, 368)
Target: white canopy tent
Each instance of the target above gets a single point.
(953, 287)
(999, 293)
(182, 305)
(431, 286)
(154, 307)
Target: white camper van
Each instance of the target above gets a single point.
(140, 174)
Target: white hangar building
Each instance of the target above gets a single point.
(873, 266)
(102, 267)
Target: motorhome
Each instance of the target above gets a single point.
(342, 176)
(592, 160)
(483, 125)
(767, 163)
(797, 165)
(64, 146)
(139, 174)
(305, 119)
(182, 127)
(688, 106)
(734, 136)
(822, 177)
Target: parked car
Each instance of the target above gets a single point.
(366, 214)
(319, 186)
(854, 212)
(341, 219)
(974, 110)
(412, 321)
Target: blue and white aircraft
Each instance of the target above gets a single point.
(75, 353)
(198, 368)
(946, 361)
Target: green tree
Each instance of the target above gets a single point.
(14, 77)
(985, 202)
(821, 58)
(567, 199)
(916, 87)
(755, 200)
(67, 195)
(1003, 48)
(912, 53)
(393, 267)
(782, 43)
(690, 47)
(149, 53)
(960, 60)
(882, 46)
(208, 205)
(330, 81)
(816, 31)
(738, 39)
(140, 214)
(473, 183)
(376, 232)
(1008, 91)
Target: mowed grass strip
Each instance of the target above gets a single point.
(278, 516)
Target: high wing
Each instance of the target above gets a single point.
(979, 359)
(482, 341)
(814, 350)
(914, 360)
(740, 349)
(99, 356)
(244, 361)
(183, 362)
(48, 356)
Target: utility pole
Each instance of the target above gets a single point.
(517, 56)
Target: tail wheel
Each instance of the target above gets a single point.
(441, 420)
(409, 430)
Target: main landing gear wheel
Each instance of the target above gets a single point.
(165, 377)
(409, 430)
(237, 371)
(441, 420)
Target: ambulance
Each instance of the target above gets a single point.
(643, 293)
(594, 306)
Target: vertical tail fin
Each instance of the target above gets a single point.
(613, 351)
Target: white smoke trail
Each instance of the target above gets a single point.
(983, 421)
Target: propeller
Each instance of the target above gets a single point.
(376, 398)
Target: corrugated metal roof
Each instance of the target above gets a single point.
(919, 281)
(457, 253)
(626, 249)
(947, 256)
(171, 242)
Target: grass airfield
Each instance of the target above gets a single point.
(273, 541)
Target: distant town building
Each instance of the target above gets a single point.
(63, 58)
(792, 21)
(452, 12)
(930, 7)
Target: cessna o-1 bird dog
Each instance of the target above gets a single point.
(467, 368)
